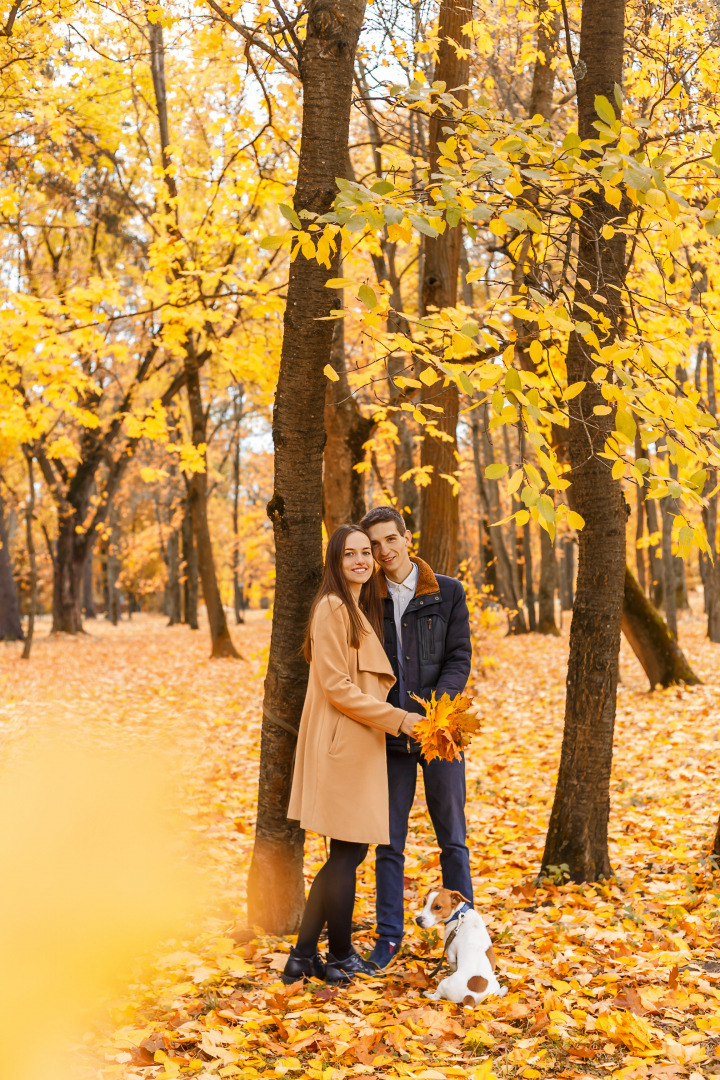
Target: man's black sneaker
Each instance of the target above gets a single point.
(384, 952)
(343, 971)
(303, 967)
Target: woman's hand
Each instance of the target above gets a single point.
(408, 725)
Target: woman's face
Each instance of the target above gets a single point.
(357, 563)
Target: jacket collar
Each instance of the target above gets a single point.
(426, 582)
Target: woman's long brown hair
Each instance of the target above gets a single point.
(334, 583)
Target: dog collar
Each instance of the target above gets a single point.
(467, 906)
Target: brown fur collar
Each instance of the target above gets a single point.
(426, 582)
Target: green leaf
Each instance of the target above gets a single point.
(466, 384)
(368, 297)
(512, 380)
(604, 109)
(382, 187)
(423, 226)
(289, 214)
(713, 227)
(495, 471)
(271, 241)
(546, 508)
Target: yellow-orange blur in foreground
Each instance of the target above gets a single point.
(95, 869)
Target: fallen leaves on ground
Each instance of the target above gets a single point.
(619, 979)
(447, 727)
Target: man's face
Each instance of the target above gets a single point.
(390, 549)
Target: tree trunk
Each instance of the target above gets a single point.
(546, 592)
(668, 512)
(197, 494)
(173, 579)
(238, 590)
(190, 569)
(439, 510)
(30, 543)
(716, 842)
(577, 834)
(275, 885)
(89, 609)
(503, 572)
(347, 431)
(529, 591)
(639, 522)
(68, 574)
(659, 653)
(567, 573)
(112, 612)
(712, 568)
(655, 590)
(10, 621)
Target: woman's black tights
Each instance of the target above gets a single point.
(331, 901)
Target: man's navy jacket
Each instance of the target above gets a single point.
(436, 649)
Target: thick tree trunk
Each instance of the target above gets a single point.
(659, 653)
(68, 575)
(546, 592)
(577, 833)
(347, 431)
(439, 511)
(190, 569)
(197, 494)
(567, 574)
(275, 885)
(10, 621)
(30, 544)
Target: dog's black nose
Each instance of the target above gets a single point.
(418, 920)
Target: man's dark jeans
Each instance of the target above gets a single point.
(445, 795)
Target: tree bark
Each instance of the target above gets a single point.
(529, 590)
(567, 574)
(10, 621)
(89, 609)
(655, 590)
(546, 592)
(439, 509)
(639, 523)
(190, 569)
(197, 495)
(662, 658)
(668, 511)
(112, 612)
(173, 580)
(30, 543)
(275, 885)
(238, 590)
(577, 833)
(712, 568)
(347, 431)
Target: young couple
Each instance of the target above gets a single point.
(375, 638)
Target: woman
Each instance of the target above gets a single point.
(340, 787)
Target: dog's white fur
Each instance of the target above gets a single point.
(470, 954)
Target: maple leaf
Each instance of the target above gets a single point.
(447, 727)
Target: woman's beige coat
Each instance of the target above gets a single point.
(340, 784)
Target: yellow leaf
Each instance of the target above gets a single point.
(573, 390)
(608, 232)
(574, 520)
(331, 373)
(618, 469)
(428, 376)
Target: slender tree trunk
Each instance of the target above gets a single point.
(238, 590)
(89, 609)
(655, 590)
(347, 431)
(113, 569)
(30, 543)
(173, 580)
(190, 569)
(439, 510)
(712, 569)
(503, 572)
(10, 621)
(668, 510)
(639, 522)
(577, 833)
(546, 592)
(529, 590)
(197, 493)
(662, 658)
(716, 842)
(275, 885)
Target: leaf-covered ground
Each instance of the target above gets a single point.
(614, 980)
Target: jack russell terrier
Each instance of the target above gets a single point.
(470, 954)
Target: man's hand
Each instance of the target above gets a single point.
(408, 725)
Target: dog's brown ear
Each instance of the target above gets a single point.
(492, 957)
(458, 897)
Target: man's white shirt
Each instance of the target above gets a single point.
(402, 593)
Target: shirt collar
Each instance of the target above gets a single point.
(410, 582)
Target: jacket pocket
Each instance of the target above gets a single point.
(336, 739)
(431, 633)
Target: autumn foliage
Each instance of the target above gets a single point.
(447, 727)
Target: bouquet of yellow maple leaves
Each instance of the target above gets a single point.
(447, 727)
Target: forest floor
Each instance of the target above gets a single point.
(615, 980)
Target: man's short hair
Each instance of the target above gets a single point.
(381, 514)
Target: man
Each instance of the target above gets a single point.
(427, 640)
